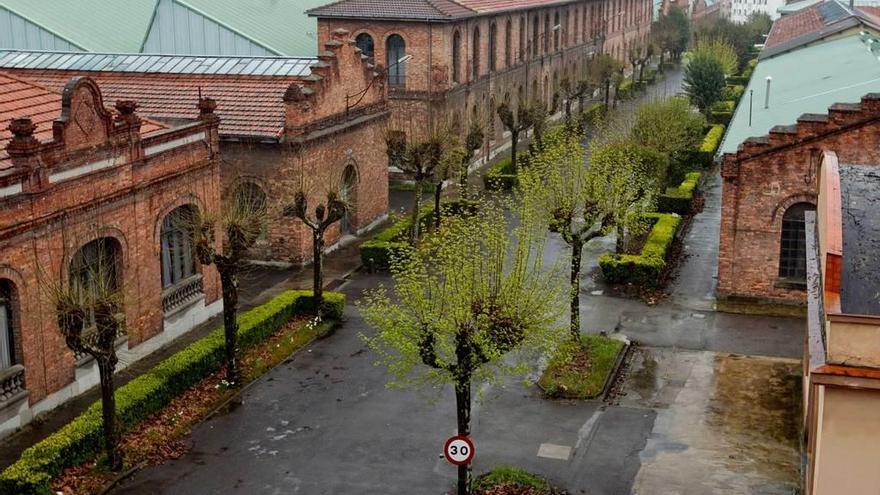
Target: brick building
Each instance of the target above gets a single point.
(80, 183)
(468, 56)
(283, 120)
(769, 183)
(813, 59)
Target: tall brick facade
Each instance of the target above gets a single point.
(78, 174)
(472, 60)
(769, 175)
(275, 129)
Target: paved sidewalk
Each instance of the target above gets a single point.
(258, 285)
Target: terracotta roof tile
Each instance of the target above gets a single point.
(805, 21)
(435, 10)
(248, 106)
(20, 97)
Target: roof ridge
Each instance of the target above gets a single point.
(199, 11)
(6, 73)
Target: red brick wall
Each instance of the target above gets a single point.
(431, 95)
(764, 178)
(41, 229)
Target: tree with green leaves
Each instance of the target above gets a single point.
(573, 91)
(91, 318)
(582, 200)
(720, 50)
(472, 304)
(473, 139)
(240, 222)
(602, 70)
(671, 32)
(517, 121)
(669, 126)
(703, 81)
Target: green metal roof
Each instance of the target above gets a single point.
(280, 25)
(92, 25)
(796, 6)
(807, 80)
(121, 26)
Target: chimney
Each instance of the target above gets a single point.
(767, 94)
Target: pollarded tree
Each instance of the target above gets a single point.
(470, 297)
(516, 121)
(473, 139)
(703, 81)
(573, 90)
(325, 214)
(240, 222)
(90, 317)
(581, 201)
(602, 71)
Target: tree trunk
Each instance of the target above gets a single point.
(106, 367)
(438, 191)
(463, 410)
(514, 143)
(662, 57)
(463, 176)
(607, 94)
(568, 110)
(318, 270)
(230, 324)
(577, 248)
(620, 245)
(417, 204)
(642, 71)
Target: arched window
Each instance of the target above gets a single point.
(556, 29)
(475, 68)
(178, 260)
(456, 56)
(8, 320)
(97, 269)
(349, 196)
(395, 48)
(793, 243)
(365, 42)
(535, 36)
(493, 47)
(508, 40)
(522, 38)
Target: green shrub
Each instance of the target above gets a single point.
(592, 115)
(517, 477)
(562, 380)
(720, 117)
(643, 269)
(625, 90)
(378, 252)
(82, 438)
(738, 81)
(732, 92)
(679, 199)
(501, 175)
(712, 139)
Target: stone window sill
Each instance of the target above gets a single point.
(12, 387)
(791, 284)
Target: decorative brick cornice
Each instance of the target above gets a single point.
(810, 126)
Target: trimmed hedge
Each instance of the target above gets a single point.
(82, 438)
(738, 80)
(679, 199)
(712, 139)
(643, 269)
(625, 90)
(501, 175)
(378, 252)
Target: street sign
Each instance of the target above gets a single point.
(459, 450)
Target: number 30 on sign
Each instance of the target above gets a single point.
(459, 450)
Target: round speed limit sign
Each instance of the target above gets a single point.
(459, 450)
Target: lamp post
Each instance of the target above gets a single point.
(361, 95)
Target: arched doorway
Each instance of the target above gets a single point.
(347, 225)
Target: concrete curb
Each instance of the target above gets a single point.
(615, 371)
